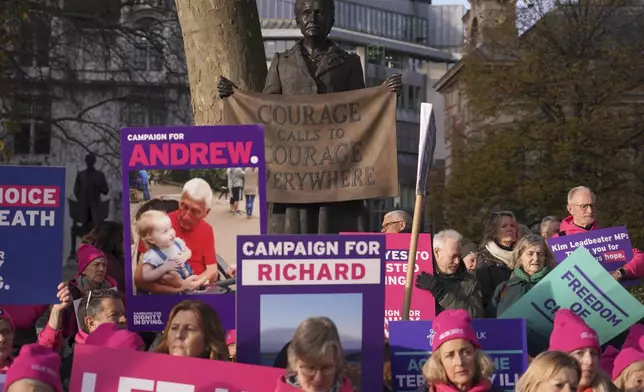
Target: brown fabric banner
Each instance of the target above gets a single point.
(324, 148)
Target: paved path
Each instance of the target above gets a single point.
(226, 226)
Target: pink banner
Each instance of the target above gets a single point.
(423, 306)
(98, 369)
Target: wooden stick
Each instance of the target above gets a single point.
(411, 261)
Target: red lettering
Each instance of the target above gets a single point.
(325, 273)
(358, 271)
(341, 271)
(307, 272)
(138, 157)
(198, 154)
(179, 154)
(159, 154)
(290, 275)
(217, 153)
(265, 272)
(240, 151)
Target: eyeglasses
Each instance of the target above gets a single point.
(386, 225)
(584, 207)
(311, 371)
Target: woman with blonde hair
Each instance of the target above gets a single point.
(628, 370)
(457, 363)
(531, 261)
(315, 359)
(194, 330)
(572, 335)
(551, 371)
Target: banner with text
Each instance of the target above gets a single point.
(582, 285)
(157, 163)
(503, 340)
(285, 279)
(611, 246)
(144, 371)
(32, 211)
(324, 148)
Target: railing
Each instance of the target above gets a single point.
(354, 17)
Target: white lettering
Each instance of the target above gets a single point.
(310, 272)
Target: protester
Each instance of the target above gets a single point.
(553, 371)
(92, 272)
(237, 183)
(572, 335)
(51, 336)
(251, 186)
(194, 330)
(7, 329)
(634, 339)
(628, 371)
(113, 336)
(457, 363)
(316, 359)
(231, 342)
(583, 211)
(396, 222)
(549, 226)
(108, 237)
(451, 285)
(34, 370)
(532, 261)
(190, 225)
(468, 255)
(24, 318)
(492, 264)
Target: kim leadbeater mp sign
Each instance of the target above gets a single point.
(348, 262)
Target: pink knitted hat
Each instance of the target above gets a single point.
(35, 362)
(453, 324)
(111, 336)
(571, 333)
(635, 338)
(231, 337)
(5, 315)
(85, 254)
(607, 360)
(626, 358)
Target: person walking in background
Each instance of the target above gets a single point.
(237, 185)
(145, 184)
(251, 185)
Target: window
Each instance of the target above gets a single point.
(141, 114)
(147, 55)
(34, 134)
(33, 49)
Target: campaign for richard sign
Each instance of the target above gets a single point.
(503, 340)
(582, 285)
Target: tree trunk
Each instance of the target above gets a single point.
(221, 38)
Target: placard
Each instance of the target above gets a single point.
(285, 279)
(163, 164)
(503, 340)
(32, 212)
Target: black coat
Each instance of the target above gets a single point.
(490, 273)
(291, 74)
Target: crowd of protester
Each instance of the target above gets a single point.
(469, 281)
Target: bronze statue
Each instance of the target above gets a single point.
(315, 65)
(90, 184)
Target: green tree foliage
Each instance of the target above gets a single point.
(557, 107)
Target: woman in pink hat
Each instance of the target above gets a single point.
(572, 335)
(553, 371)
(457, 363)
(628, 370)
(36, 368)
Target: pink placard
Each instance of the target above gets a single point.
(98, 369)
(423, 305)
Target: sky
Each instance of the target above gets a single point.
(444, 2)
(280, 311)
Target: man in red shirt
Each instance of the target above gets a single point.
(190, 225)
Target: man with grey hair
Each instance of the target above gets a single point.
(396, 222)
(549, 226)
(451, 285)
(583, 211)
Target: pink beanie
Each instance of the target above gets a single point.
(635, 338)
(111, 336)
(453, 324)
(5, 315)
(85, 254)
(231, 337)
(571, 333)
(626, 358)
(606, 362)
(38, 363)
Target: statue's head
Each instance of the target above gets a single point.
(90, 160)
(315, 18)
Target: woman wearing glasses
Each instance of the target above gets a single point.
(315, 359)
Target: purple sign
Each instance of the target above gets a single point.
(188, 193)
(504, 340)
(611, 246)
(285, 279)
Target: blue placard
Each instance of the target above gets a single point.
(32, 213)
(503, 340)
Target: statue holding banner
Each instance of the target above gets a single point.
(316, 65)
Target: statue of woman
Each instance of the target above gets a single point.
(315, 65)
